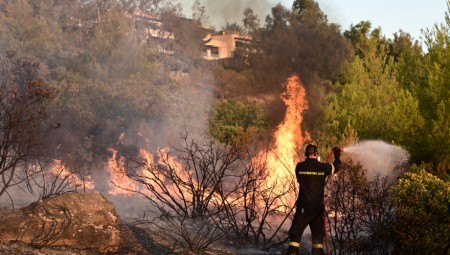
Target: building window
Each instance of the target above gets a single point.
(215, 52)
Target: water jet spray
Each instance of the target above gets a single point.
(377, 157)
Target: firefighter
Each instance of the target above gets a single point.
(448, 205)
(311, 175)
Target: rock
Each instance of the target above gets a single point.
(77, 220)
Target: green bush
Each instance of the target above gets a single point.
(422, 223)
(234, 121)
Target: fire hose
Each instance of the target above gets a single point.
(337, 153)
(325, 227)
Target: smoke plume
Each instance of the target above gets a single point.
(222, 12)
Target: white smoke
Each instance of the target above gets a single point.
(221, 12)
(17, 197)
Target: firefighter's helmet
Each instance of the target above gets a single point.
(311, 149)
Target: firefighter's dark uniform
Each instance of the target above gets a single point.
(311, 176)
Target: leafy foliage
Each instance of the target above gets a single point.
(421, 215)
(234, 122)
(372, 102)
(434, 93)
(30, 34)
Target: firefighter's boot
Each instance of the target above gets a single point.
(317, 249)
(293, 248)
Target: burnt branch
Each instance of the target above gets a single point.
(48, 183)
(53, 228)
(52, 223)
(209, 192)
(187, 184)
(22, 111)
(360, 213)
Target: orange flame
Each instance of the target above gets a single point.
(120, 183)
(280, 160)
(60, 170)
(148, 172)
(148, 160)
(288, 137)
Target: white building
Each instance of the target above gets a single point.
(223, 45)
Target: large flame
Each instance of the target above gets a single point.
(174, 168)
(280, 160)
(288, 136)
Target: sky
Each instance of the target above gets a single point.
(410, 16)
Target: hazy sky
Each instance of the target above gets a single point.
(391, 15)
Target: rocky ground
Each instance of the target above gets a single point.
(91, 227)
(135, 241)
(80, 224)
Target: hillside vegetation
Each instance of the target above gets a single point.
(79, 77)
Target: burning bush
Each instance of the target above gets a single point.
(210, 192)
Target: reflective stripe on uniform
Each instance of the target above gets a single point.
(295, 244)
(318, 245)
(311, 173)
(332, 168)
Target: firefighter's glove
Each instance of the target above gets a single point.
(337, 152)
